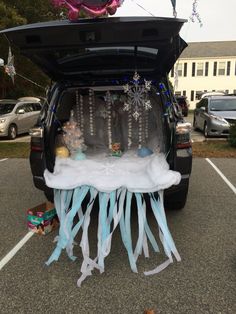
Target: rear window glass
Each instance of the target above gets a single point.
(64, 55)
(6, 108)
(223, 104)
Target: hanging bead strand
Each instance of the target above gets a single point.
(91, 112)
(93, 108)
(140, 131)
(129, 129)
(77, 108)
(109, 132)
(81, 100)
(146, 124)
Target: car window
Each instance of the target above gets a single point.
(37, 106)
(29, 108)
(19, 108)
(223, 104)
(6, 108)
(199, 104)
(205, 103)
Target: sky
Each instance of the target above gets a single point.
(217, 16)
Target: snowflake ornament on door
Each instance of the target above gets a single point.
(137, 99)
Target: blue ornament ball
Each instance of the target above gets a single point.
(144, 152)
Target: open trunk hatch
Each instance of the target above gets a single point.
(101, 47)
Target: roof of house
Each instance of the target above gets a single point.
(210, 49)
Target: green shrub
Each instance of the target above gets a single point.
(232, 135)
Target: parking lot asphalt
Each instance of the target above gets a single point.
(204, 233)
(23, 138)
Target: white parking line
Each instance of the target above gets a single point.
(3, 159)
(19, 245)
(232, 187)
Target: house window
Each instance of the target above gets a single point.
(228, 68)
(192, 95)
(193, 68)
(221, 70)
(226, 91)
(200, 69)
(177, 93)
(206, 68)
(184, 92)
(215, 68)
(179, 69)
(172, 72)
(185, 68)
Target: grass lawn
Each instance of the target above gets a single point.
(220, 149)
(14, 150)
(204, 149)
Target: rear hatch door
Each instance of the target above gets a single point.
(104, 47)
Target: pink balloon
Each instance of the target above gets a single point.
(93, 8)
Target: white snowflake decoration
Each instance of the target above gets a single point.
(103, 112)
(137, 96)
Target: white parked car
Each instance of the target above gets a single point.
(18, 116)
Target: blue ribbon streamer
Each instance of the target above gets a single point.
(111, 208)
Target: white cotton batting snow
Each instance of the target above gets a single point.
(106, 173)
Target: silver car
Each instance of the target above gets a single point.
(214, 115)
(18, 116)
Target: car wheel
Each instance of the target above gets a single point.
(206, 134)
(177, 200)
(12, 132)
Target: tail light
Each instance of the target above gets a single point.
(36, 132)
(36, 139)
(183, 138)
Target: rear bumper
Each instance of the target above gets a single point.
(183, 164)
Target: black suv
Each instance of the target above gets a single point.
(103, 54)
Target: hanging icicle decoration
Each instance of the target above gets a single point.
(129, 129)
(91, 109)
(176, 76)
(195, 14)
(140, 131)
(81, 105)
(109, 130)
(77, 108)
(146, 124)
(137, 96)
(174, 8)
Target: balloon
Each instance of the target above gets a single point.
(93, 8)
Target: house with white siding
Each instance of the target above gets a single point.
(205, 67)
